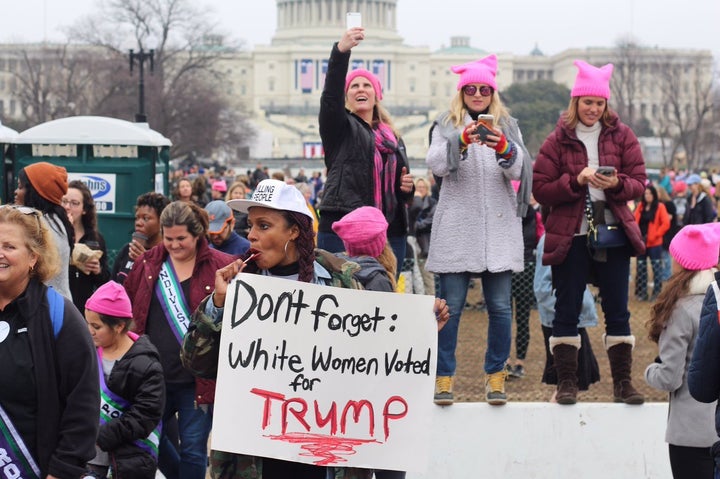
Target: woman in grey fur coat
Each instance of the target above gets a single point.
(476, 229)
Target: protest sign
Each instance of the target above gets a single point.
(324, 375)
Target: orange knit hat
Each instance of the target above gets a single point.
(49, 181)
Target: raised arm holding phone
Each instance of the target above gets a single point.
(364, 155)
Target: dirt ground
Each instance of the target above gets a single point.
(472, 340)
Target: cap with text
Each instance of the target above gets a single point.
(273, 194)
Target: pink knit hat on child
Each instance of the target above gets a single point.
(696, 247)
(481, 71)
(361, 72)
(363, 231)
(110, 299)
(591, 80)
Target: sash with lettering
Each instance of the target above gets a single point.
(16, 459)
(172, 300)
(113, 406)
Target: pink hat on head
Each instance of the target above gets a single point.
(363, 231)
(110, 299)
(219, 185)
(591, 80)
(361, 72)
(696, 247)
(480, 71)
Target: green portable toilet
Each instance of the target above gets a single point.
(117, 159)
(7, 135)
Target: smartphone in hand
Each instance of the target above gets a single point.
(353, 20)
(484, 126)
(605, 170)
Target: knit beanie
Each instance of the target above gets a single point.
(48, 180)
(480, 71)
(110, 299)
(219, 185)
(696, 247)
(361, 72)
(591, 80)
(363, 231)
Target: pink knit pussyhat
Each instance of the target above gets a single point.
(591, 80)
(482, 71)
(696, 247)
(110, 299)
(361, 72)
(363, 231)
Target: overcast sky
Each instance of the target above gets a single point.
(511, 26)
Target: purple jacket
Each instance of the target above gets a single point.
(140, 286)
(562, 157)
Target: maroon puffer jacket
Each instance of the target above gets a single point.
(562, 157)
(140, 286)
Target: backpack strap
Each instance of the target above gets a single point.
(57, 309)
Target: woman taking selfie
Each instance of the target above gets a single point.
(364, 155)
(587, 170)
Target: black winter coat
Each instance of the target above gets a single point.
(66, 377)
(138, 378)
(349, 144)
(82, 285)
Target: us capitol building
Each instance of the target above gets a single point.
(281, 82)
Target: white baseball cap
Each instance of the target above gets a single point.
(274, 194)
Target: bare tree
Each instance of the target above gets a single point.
(625, 84)
(687, 115)
(184, 95)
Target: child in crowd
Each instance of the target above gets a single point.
(674, 324)
(132, 389)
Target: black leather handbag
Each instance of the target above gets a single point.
(603, 236)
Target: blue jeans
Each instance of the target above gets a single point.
(611, 276)
(496, 290)
(194, 424)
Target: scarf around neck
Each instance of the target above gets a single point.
(384, 172)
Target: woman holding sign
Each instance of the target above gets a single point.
(49, 395)
(282, 246)
(165, 284)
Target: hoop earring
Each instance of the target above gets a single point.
(285, 249)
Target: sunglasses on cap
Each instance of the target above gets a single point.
(26, 210)
(470, 90)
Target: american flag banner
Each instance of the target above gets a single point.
(306, 75)
(313, 149)
(323, 72)
(379, 70)
(355, 64)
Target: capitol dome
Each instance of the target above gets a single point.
(320, 21)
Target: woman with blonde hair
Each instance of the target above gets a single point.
(49, 392)
(477, 228)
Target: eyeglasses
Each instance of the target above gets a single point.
(73, 203)
(26, 210)
(470, 90)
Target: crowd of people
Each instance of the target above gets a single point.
(130, 388)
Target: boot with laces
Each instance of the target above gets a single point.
(495, 388)
(443, 391)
